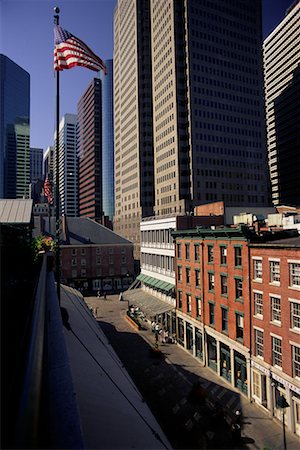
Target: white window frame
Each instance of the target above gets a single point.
(275, 300)
(256, 314)
(257, 272)
(292, 275)
(296, 373)
(292, 303)
(274, 273)
(276, 352)
(258, 345)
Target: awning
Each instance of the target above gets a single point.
(150, 305)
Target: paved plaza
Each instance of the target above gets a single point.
(190, 417)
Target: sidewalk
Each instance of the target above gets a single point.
(259, 430)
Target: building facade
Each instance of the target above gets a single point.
(238, 311)
(14, 127)
(208, 111)
(36, 164)
(133, 135)
(282, 93)
(89, 148)
(107, 141)
(67, 165)
(275, 334)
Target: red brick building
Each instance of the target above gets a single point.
(275, 296)
(213, 302)
(238, 311)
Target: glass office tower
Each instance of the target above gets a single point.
(14, 130)
(107, 141)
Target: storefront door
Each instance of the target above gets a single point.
(225, 362)
(199, 344)
(296, 402)
(189, 338)
(240, 373)
(212, 353)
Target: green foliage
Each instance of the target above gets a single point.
(43, 243)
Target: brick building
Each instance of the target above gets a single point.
(92, 256)
(275, 296)
(238, 311)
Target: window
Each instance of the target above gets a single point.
(258, 304)
(237, 256)
(123, 259)
(238, 288)
(83, 261)
(83, 272)
(111, 271)
(187, 251)
(98, 251)
(211, 281)
(210, 253)
(98, 260)
(74, 251)
(74, 273)
(294, 269)
(256, 384)
(188, 303)
(259, 342)
(296, 360)
(178, 250)
(276, 352)
(83, 251)
(110, 250)
(179, 273)
(123, 250)
(275, 309)
(223, 255)
(274, 272)
(197, 278)
(179, 299)
(295, 315)
(224, 288)
(196, 252)
(74, 261)
(198, 306)
(188, 275)
(224, 320)
(239, 321)
(257, 269)
(211, 314)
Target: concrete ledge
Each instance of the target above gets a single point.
(132, 322)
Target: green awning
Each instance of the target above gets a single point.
(169, 287)
(141, 277)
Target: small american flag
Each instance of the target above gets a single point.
(48, 190)
(69, 51)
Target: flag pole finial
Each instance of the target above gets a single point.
(56, 16)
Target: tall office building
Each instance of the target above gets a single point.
(48, 162)
(200, 65)
(133, 134)
(107, 141)
(282, 93)
(36, 164)
(89, 149)
(67, 165)
(14, 130)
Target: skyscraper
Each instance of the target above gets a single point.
(36, 164)
(282, 88)
(199, 63)
(14, 130)
(67, 165)
(89, 148)
(107, 141)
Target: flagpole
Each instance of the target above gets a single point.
(57, 221)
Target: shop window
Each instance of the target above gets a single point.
(256, 384)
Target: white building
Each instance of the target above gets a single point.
(68, 165)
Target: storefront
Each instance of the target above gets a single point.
(180, 331)
(240, 372)
(260, 376)
(199, 344)
(189, 338)
(212, 352)
(225, 369)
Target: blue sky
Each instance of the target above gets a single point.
(26, 37)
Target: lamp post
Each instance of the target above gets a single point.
(282, 403)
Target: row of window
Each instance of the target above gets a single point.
(111, 271)
(277, 351)
(99, 250)
(210, 253)
(275, 309)
(274, 272)
(99, 261)
(238, 281)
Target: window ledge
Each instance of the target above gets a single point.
(274, 283)
(224, 295)
(241, 340)
(295, 288)
(295, 330)
(258, 280)
(239, 300)
(258, 317)
(277, 324)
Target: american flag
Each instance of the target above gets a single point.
(69, 51)
(48, 190)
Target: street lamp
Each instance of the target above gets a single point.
(282, 403)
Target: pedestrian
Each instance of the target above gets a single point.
(98, 294)
(104, 295)
(121, 297)
(153, 326)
